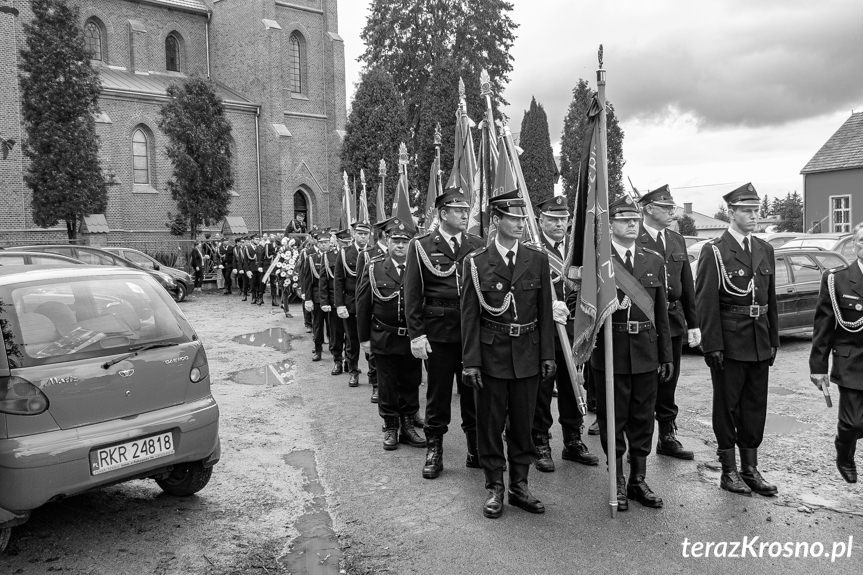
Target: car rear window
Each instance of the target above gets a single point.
(64, 320)
(829, 260)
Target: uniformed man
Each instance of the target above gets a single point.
(226, 263)
(313, 268)
(345, 286)
(735, 295)
(271, 248)
(658, 211)
(553, 218)
(371, 252)
(336, 327)
(382, 329)
(256, 268)
(196, 261)
(432, 288)
(641, 347)
(839, 329)
(238, 270)
(308, 248)
(508, 348)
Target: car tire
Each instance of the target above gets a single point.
(181, 292)
(5, 533)
(186, 479)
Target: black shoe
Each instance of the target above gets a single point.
(245, 297)
(554, 392)
(637, 489)
(622, 501)
(544, 461)
(472, 459)
(669, 445)
(845, 459)
(417, 419)
(750, 475)
(574, 449)
(730, 480)
(274, 303)
(520, 496)
(409, 435)
(337, 368)
(391, 433)
(354, 380)
(308, 328)
(434, 457)
(374, 398)
(288, 315)
(261, 301)
(594, 428)
(316, 356)
(493, 507)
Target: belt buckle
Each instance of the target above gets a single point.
(514, 330)
(632, 327)
(755, 311)
(402, 331)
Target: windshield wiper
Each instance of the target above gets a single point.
(135, 350)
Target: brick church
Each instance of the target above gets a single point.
(279, 68)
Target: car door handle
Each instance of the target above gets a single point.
(789, 290)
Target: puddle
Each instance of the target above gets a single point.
(270, 375)
(316, 549)
(275, 338)
(781, 391)
(784, 424)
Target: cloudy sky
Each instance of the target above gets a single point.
(710, 95)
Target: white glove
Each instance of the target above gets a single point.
(420, 347)
(342, 312)
(367, 346)
(560, 312)
(234, 272)
(308, 305)
(260, 270)
(249, 275)
(820, 380)
(694, 336)
(197, 269)
(326, 308)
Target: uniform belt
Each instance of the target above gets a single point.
(402, 331)
(747, 310)
(510, 329)
(438, 302)
(632, 327)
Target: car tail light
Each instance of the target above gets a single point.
(20, 397)
(200, 367)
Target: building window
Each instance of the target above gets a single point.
(140, 157)
(297, 72)
(300, 205)
(840, 213)
(93, 39)
(172, 53)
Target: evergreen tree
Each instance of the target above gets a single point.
(722, 214)
(791, 213)
(537, 158)
(572, 143)
(199, 146)
(375, 127)
(686, 226)
(765, 207)
(60, 93)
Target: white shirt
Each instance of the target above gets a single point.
(397, 264)
(503, 251)
(739, 237)
(621, 251)
(859, 263)
(552, 242)
(655, 232)
(448, 238)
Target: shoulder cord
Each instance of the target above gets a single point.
(352, 273)
(850, 326)
(327, 266)
(314, 269)
(374, 284)
(726, 284)
(453, 269)
(495, 311)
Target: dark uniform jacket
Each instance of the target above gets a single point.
(377, 320)
(561, 290)
(312, 267)
(438, 320)
(239, 258)
(347, 274)
(328, 263)
(498, 354)
(226, 256)
(679, 281)
(644, 351)
(737, 335)
(196, 258)
(828, 337)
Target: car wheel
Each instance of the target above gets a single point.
(186, 479)
(181, 291)
(5, 533)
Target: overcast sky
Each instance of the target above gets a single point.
(710, 95)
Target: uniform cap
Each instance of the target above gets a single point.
(623, 208)
(745, 195)
(659, 196)
(344, 234)
(399, 229)
(554, 206)
(452, 198)
(381, 226)
(509, 204)
(362, 226)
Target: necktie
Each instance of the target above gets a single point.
(510, 256)
(660, 243)
(557, 248)
(401, 269)
(455, 245)
(746, 245)
(628, 262)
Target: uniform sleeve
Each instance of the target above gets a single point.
(660, 313)
(364, 308)
(414, 293)
(773, 306)
(307, 278)
(544, 311)
(707, 301)
(339, 281)
(470, 316)
(324, 295)
(823, 330)
(687, 299)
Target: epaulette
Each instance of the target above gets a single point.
(474, 236)
(378, 258)
(477, 251)
(715, 241)
(838, 268)
(534, 247)
(654, 252)
(422, 235)
(670, 231)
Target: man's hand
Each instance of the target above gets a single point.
(715, 360)
(260, 270)
(420, 347)
(308, 305)
(366, 347)
(326, 308)
(197, 269)
(342, 312)
(560, 312)
(820, 380)
(234, 271)
(471, 377)
(694, 336)
(666, 370)
(249, 274)
(773, 351)
(548, 368)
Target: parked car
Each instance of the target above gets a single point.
(691, 240)
(99, 257)
(184, 281)
(778, 239)
(798, 279)
(834, 242)
(102, 380)
(13, 258)
(694, 250)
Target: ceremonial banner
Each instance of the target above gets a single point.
(401, 201)
(348, 215)
(432, 194)
(380, 203)
(464, 168)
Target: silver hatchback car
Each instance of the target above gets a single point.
(102, 380)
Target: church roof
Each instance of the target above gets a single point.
(129, 83)
(843, 151)
(189, 5)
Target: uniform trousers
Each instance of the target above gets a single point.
(444, 364)
(256, 286)
(352, 343)
(850, 427)
(373, 370)
(569, 416)
(226, 276)
(242, 282)
(274, 286)
(666, 408)
(317, 317)
(198, 277)
(505, 404)
(740, 403)
(399, 379)
(634, 399)
(336, 334)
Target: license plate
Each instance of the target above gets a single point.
(131, 453)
